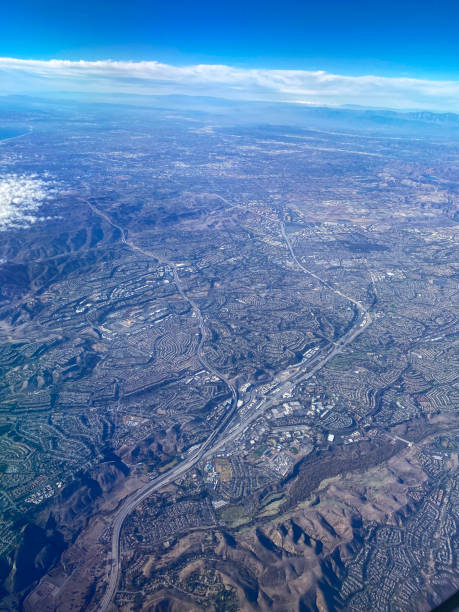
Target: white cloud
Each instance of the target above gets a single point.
(310, 87)
(20, 198)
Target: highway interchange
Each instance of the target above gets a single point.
(238, 415)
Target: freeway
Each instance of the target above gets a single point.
(218, 438)
(361, 308)
(133, 500)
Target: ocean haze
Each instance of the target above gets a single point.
(228, 305)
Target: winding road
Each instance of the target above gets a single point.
(221, 434)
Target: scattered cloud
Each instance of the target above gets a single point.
(300, 86)
(20, 198)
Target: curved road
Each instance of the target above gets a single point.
(132, 501)
(212, 443)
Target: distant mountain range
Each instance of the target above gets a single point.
(224, 111)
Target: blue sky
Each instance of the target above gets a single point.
(392, 39)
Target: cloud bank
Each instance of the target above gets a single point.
(20, 198)
(300, 86)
